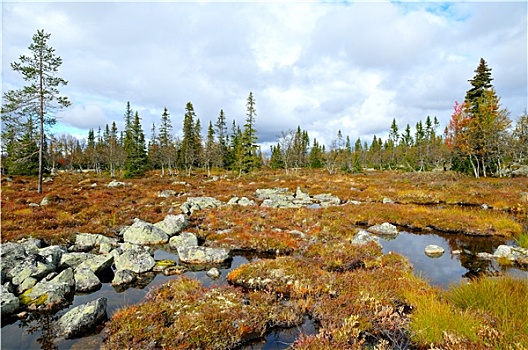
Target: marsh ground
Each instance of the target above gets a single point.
(357, 296)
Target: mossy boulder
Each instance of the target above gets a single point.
(82, 318)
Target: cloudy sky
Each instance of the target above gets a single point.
(325, 66)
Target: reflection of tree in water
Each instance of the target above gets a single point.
(43, 323)
(470, 246)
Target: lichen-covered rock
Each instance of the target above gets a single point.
(11, 255)
(88, 241)
(142, 232)
(86, 280)
(364, 237)
(82, 318)
(135, 259)
(115, 183)
(327, 200)
(167, 193)
(173, 224)
(52, 293)
(73, 259)
(203, 255)
(33, 266)
(122, 277)
(385, 229)
(52, 254)
(198, 203)
(244, 201)
(185, 239)
(433, 250)
(9, 302)
(97, 264)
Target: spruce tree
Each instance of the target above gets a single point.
(136, 163)
(249, 140)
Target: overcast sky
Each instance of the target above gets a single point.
(324, 66)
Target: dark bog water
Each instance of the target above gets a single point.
(36, 332)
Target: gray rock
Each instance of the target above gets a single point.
(267, 193)
(88, 241)
(52, 293)
(244, 201)
(33, 266)
(167, 193)
(137, 260)
(141, 232)
(327, 200)
(302, 197)
(81, 318)
(86, 280)
(52, 254)
(364, 237)
(31, 245)
(122, 277)
(11, 255)
(198, 203)
(385, 229)
(203, 255)
(387, 201)
(503, 251)
(185, 239)
(173, 224)
(434, 251)
(9, 302)
(213, 273)
(73, 259)
(115, 183)
(26, 284)
(97, 264)
(521, 171)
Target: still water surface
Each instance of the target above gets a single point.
(37, 333)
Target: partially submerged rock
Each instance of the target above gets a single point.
(185, 239)
(434, 251)
(9, 302)
(86, 280)
(203, 255)
(81, 319)
(52, 293)
(135, 259)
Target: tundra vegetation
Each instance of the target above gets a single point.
(356, 295)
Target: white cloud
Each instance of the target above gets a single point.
(323, 66)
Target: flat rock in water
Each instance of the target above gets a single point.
(136, 260)
(203, 255)
(185, 239)
(433, 250)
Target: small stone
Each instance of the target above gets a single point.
(434, 251)
(213, 273)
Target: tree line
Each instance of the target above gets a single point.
(480, 138)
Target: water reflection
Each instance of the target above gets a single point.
(449, 268)
(37, 330)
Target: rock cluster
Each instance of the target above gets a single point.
(35, 277)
